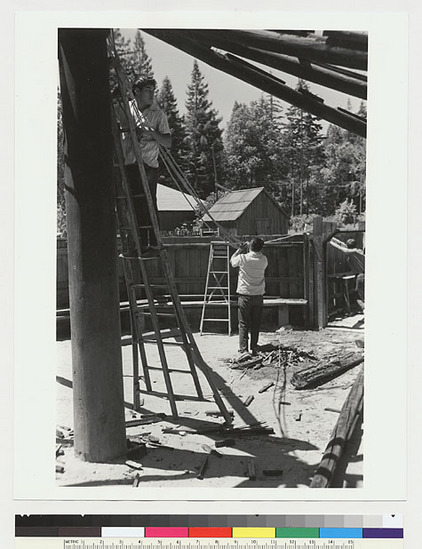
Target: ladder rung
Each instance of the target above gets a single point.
(170, 370)
(158, 313)
(142, 285)
(220, 256)
(216, 319)
(176, 343)
(145, 226)
(124, 197)
(219, 272)
(218, 287)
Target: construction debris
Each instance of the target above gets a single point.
(322, 372)
(251, 470)
(248, 400)
(225, 442)
(133, 464)
(272, 354)
(272, 472)
(145, 419)
(212, 451)
(203, 468)
(350, 414)
(266, 387)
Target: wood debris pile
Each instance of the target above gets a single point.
(272, 354)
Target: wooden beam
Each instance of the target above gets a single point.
(260, 79)
(302, 68)
(92, 247)
(315, 48)
(321, 373)
(351, 412)
(319, 266)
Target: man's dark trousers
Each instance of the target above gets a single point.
(249, 312)
(140, 203)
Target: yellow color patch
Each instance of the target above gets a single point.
(254, 532)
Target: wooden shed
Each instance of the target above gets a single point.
(248, 212)
(174, 208)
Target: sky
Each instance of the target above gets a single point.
(224, 89)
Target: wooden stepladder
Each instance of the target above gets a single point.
(147, 300)
(217, 286)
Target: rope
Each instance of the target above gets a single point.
(173, 168)
(185, 187)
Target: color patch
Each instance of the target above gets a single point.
(79, 532)
(383, 533)
(210, 532)
(122, 532)
(152, 532)
(297, 532)
(254, 532)
(352, 533)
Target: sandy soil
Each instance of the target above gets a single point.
(302, 424)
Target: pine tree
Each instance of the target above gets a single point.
(142, 61)
(204, 139)
(125, 53)
(133, 57)
(345, 171)
(168, 103)
(253, 145)
(304, 153)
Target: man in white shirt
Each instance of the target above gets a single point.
(250, 288)
(152, 131)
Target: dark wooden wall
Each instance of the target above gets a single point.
(170, 220)
(189, 261)
(261, 208)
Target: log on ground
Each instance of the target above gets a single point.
(351, 412)
(322, 372)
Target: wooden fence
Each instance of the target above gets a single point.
(188, 258)
(298, 267)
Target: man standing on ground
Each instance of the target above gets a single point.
(250, 288)
(356, 262)
(152, 130)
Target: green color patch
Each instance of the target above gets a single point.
(297, 533)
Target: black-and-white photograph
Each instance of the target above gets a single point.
(211, 203)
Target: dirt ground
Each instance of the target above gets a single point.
(287, 458)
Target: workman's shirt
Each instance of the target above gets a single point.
(356, 260)
(252, 266)
(148, 146)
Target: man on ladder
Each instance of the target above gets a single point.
(152, 130)
(250, 288)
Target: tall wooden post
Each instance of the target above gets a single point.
(318, 238)
(91, 227)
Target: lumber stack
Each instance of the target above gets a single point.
(350, 414)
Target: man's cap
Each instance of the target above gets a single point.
(142, 81)
(351, 243)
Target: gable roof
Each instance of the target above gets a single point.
(231, 206)
(172, 200)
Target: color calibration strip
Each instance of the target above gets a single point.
(212, 532)
(211, 526)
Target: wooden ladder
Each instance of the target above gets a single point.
(142, 295)
(217, 286)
